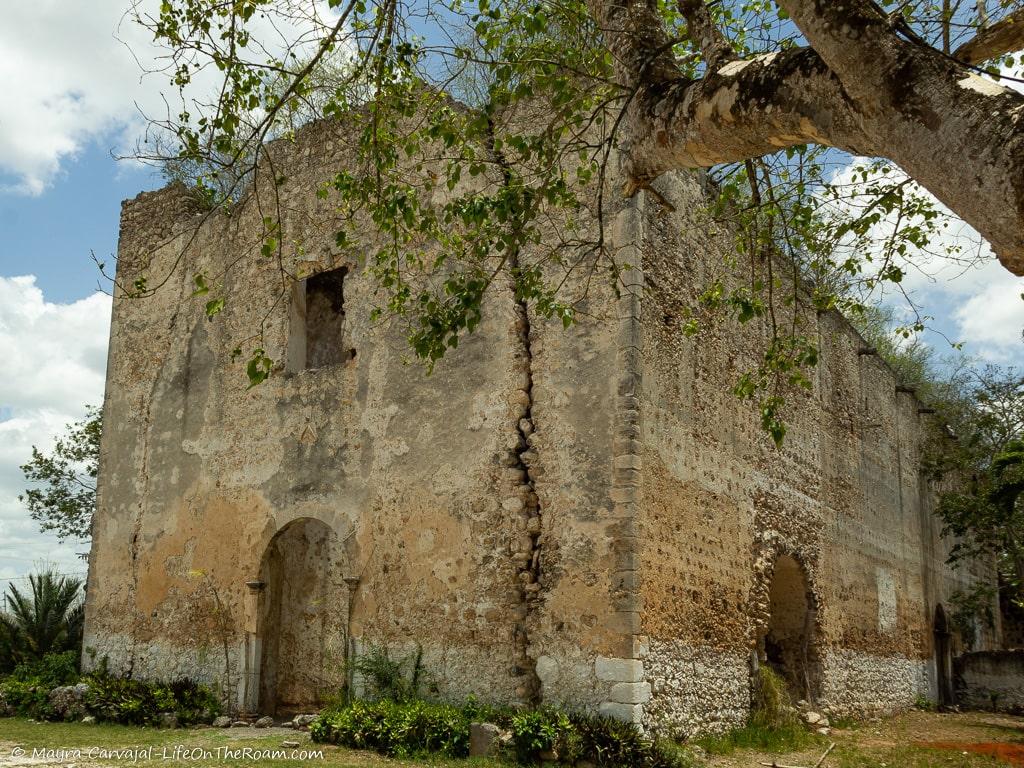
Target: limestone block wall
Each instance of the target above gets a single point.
(845, 497)
(585, 516)
(992, 680)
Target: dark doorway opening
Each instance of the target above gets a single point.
(943, 657)
(317, 337)
(788, 643)
(302, 620)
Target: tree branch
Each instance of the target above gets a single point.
(959, 135)
(713, 45)
(1005, 36)
(744, 109)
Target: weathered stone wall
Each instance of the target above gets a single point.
(448, 495)
(991, 680)
(584, 516)
(845, 497)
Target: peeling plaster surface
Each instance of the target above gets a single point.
(584, 516)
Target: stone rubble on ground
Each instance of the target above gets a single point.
(483, 739)
(302, 721)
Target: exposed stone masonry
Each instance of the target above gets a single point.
(524, 504)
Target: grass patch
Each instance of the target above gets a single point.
(774, 724)
(848, 756)
(787, 738)
(31, 735)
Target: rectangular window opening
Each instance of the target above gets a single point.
(318, 322)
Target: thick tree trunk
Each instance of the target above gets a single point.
(961, 136)
(861, 87)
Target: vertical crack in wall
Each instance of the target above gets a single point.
(526, 545)
(521, 463)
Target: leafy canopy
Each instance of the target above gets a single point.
(63, 493)
(485, 137)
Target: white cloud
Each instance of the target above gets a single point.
(73, 73)
(992, 320)
(54, 361)
(957, 281)
(66, 80)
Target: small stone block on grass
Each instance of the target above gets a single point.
(483, 739)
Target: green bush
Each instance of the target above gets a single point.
(141, 702)
(26, 692)
(772, 706)
(406, 729)
(25, 698)
(396, 729)
(51, 670)
(386, 678)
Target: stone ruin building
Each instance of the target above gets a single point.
(586, 517)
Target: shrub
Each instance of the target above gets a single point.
(772, 705)
(50, 671)
(25, 698)
(26, 692)
(396, 729)
(925, 704)
(385, 678)
(141, 702)
(405, 729)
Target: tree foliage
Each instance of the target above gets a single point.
(63, 493)
(989, 522)
(47, 619)
(492, 138)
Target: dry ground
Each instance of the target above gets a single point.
(912, 740)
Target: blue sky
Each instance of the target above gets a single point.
(73, 94)
(52, 235)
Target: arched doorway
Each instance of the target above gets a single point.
(787, 642)
(943, 657)
(302, 619)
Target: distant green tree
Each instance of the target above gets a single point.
(63, 496)
(989, 521)
(46, 619)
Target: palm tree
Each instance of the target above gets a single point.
(47, 620)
